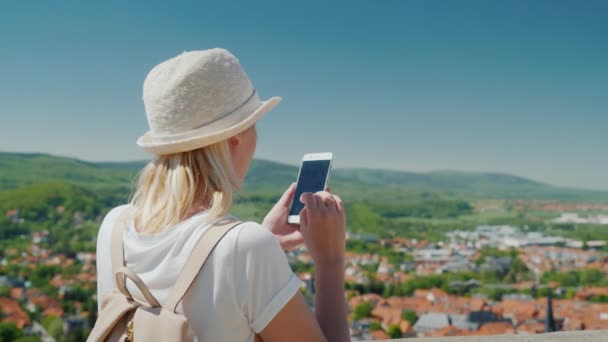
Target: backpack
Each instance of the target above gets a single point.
(124, 318)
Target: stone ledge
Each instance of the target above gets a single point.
(562, 336)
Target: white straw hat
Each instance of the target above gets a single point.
(197, 99)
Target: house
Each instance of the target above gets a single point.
(463, 286)
(388, 315)
(457, 266)
(531, 327)
(49, 306)
(497, 328)
(10, 311)
(17, 293)
(432, 256)
(517, 310)
(449, 330)
(588, 292)
(431, 321)
(473, 320)
(380, 335)
(73, 323)
(500, 265)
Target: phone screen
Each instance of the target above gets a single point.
(313, 175)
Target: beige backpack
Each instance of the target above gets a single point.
(123, 318)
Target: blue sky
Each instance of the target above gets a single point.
(508, 86)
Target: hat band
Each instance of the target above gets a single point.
(171, 136)
(227, 114)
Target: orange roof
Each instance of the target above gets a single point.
(496, 328)
(532, 328)
(593, 319)
(13, 312)
(370, 297)
(379, 335)
(383, 277)
(573, 323)
(48, 304)
(449, 330)
(477, 304)
(406, 327)
(517, 310)
(16, 292)
(395, 302)
(437, 293)
(587, 292)
(389, 316)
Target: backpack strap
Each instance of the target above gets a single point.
(123, 272)
(195, 262)
(118, 263)
(118, 260)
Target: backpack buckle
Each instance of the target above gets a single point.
(129, 332)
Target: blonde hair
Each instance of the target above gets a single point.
(173, 185)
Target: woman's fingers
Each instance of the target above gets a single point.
(326, 201)
(330, 202)
(321, 202)
(304, 218)
(308, 198)
(339, 203)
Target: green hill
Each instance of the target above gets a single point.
(18, 170)
(22, 169)
(470, 184)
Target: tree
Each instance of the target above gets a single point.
(410, 316)
(9, 332)
(29, 339)
(570, 293)
(394, 331)
(5, 291)
(602, 298)
(363, 310)
(590, 276)
(54, 326)
(373, 326)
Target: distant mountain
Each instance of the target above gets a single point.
(19, 169)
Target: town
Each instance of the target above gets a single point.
(498, 279)
(491, 280)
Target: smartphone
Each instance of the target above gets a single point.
(313, 177)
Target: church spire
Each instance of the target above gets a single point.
(549, 322)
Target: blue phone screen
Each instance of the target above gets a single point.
(313, 175)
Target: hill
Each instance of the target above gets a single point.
(22, 169)
(18, 170)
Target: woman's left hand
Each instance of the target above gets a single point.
(276, 221)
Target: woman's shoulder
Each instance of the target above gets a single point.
(115, 212)
(251, 237)
(250, 234)
(110, 219)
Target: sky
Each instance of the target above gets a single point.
(515, 87)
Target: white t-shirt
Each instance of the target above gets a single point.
(245, 282)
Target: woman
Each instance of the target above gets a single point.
(202, 110)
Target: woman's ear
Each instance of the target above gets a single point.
(234, 141)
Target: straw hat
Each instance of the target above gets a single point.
(197, 99)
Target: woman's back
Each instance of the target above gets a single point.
(202, 110)
(245, 282)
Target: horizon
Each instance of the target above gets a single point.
(335, 168)
(414, 86)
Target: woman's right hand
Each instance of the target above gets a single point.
(323, 226)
